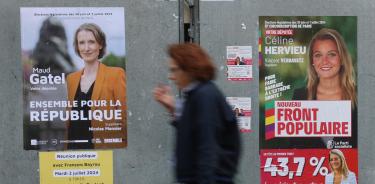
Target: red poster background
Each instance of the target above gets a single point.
(309, 156)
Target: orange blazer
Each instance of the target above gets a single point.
(110, 86)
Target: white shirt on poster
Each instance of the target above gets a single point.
(351, 179)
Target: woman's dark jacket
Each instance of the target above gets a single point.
(208, 143)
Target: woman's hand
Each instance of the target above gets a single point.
(163, 95)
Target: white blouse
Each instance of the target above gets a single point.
(351, 179)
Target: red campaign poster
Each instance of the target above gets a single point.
(308, 100)
(304, 166)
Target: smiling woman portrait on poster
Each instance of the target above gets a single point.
(330, 70)
(96, 82)
(340, 172)
(330, 76)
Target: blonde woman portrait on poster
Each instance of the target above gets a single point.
(340, 174)
(330, 76)
(96, 82)
(330, 69)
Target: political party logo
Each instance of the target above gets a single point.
(308, 119)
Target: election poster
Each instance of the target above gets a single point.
(308, 99)
(88, 167)
(74, 78)
(241, 107)
(239, 63)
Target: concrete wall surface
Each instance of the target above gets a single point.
(150, 26)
